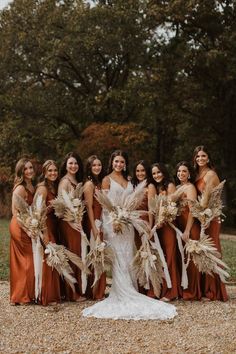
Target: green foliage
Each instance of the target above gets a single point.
(167, 66)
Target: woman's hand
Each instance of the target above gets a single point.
(185, 236)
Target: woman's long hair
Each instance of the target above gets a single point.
(19, 172)
(146, 167)
(79, 174)
(97, 180)
(195, 152)
(43, 181)
(163, 185)
(125, 172)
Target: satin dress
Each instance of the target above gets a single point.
(22, 287)
(51, 278)
(98, 291)
(124, 301)
(193, 292)
(212, 286)
(71, 239)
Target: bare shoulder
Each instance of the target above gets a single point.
(88, 186)
(41, 189)
(211, 177)
(64, 183)
(171, 188)
(20, 190)
(151, 188)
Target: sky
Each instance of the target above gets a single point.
(3, 3)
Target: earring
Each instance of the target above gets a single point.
(208, 161)
(124, 168)
(189, 176)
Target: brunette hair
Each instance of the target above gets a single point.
(79, 173)
(189, 167)
(43, 180)
(196, 151)
(146, 167)
(19, 172)
(97, 180)
(163, 185)
(125, 156)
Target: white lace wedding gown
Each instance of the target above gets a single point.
(124, 301)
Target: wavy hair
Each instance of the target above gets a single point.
(125, 156)
(80, 173)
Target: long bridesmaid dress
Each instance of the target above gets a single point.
(193, 292)
(51, 278)
(22, 288)
(71, 239)
(169, 246)
(98, 291)
(212, 286)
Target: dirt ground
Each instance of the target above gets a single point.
(200, 327)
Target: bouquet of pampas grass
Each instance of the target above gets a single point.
(163, 209)
(206, 257)
(70, 207)
(208, 206)
(99, 258)
(147, 266)
(32, 219)
(122, 209)
(58, 257)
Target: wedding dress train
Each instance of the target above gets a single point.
(124, 301)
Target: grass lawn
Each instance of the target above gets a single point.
(228, 249)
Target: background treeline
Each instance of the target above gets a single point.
(154, 77)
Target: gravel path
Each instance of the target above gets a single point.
(201, 327)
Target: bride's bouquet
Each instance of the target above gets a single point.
(208, 206)
(122, 209)
(147, 266)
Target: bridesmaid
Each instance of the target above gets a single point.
(48, 189)
(94, 175)
(163, 185)
(213, 288)
(141, 172)
(190, 228)
(71, 174)
(22, 290)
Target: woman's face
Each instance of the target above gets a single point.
(183, 174)
(96, 167)
(202, 158)
(51, 173)
(157, 174)
(140, 173)
(28, 171)
(118, 163)
(72, 166)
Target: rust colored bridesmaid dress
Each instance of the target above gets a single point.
(212, 286)
(51, 278)
(22, 289)
(71, 239)
(169, 246)
(98, 291)
(193, 292)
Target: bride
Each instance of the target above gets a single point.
(124, 301)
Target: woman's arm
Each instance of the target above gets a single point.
(88, 197)
(64, 184)
(151, 194)
(106, 183)
(191, 194)
(171, 188)
(21, 192)
(211, 179)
